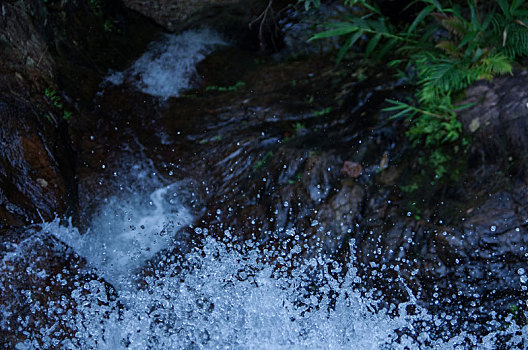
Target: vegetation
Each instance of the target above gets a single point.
(55, 101)
(232, 88)
(441, 49)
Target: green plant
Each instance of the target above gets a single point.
(296, 178)
(310, 4)
(447, 46)
(232, 88)
(299, 127)
(97, 7)
(67, 115)
(53, 98)
(56, 101)
(322, 112)
(216, 138)
(259, 164)
(108, 26)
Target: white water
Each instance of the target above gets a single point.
(127, 233)
(169, 65)
(221, 296)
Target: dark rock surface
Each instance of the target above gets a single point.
(33, 185)
(42, 293)
(498, 122)
(52, 59)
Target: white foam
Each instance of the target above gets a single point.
(169, 65)
(126, 233)
(217, 296)
(221, 299)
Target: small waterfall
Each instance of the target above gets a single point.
(169, 65)
(128, 232)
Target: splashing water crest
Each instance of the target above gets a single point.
(219, 296)
(125, 235)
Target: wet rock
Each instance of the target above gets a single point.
(172, 13)
(270, 166)
(46, 48)
(337, 218)
(28, 160)
(498, 122)
(26, 65)
(40, 284)
(231, 17)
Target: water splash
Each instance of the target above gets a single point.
(136, 291)
(127, 233)
(222, 297)
(169, 65)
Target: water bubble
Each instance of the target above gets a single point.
(493, 228)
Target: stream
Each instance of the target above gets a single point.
(210, 223)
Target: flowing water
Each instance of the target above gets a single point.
(220, 295)
(131, 290)
(169, 65)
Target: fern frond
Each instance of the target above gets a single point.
(453, 24)
(449, 47)
(497, 64)
(441, 77)
(510, 36)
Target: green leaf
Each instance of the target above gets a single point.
(516, 4)
(426, 11)
(346, 28)
(372, 44)
(386, 48)
(348, 44)
(503, 4)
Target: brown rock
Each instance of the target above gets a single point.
(31, 181)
